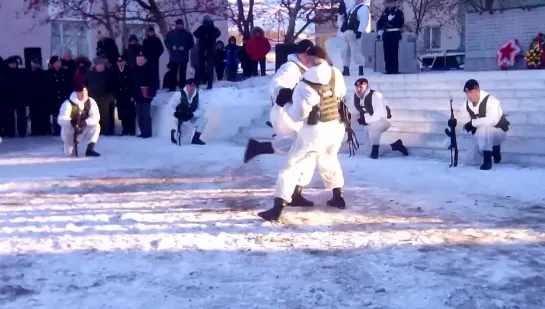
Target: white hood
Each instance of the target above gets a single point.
(74, 98)
(293, 57)
(320, 74)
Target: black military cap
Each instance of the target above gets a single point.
(190, 81)
(141, 54)
(303, 46)
(54, 59)
(361, 81)
(13, 59)
(121, 58)
(470, 85)
(318, 52)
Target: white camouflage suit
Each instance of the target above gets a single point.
(287, 76)
(91, 131)
(199, 120)
(318, 143)
(377, 123)
(487, 135)
(351, 47)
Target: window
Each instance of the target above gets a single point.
(432, 37)
(72, 36)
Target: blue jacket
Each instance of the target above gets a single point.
(232, 56)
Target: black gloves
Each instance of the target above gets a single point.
(358, 35)
(470, 128)
(74, 122)
(82, 124)
(342, 8)
(284, 96)
(190, 116)
(452, 123)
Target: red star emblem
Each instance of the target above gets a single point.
(507, 53)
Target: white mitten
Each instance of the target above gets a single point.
(390, 17)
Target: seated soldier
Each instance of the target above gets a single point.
(189, 109)
(79, 115)
(373, 115)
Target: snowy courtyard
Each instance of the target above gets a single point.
(154, 225)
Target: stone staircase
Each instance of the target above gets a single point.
(420, 108)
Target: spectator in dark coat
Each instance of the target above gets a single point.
(245, 60)
(170, 80)
(258, 47)
(107, 48)
(58, 89)
(206, 35)
(142, 91)
(179, 42)
(220, 59)
(39, 111)
(13, 100)
(101, 87)
(132, 51)
(232, 53)
(152, 47)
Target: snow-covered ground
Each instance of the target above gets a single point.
(153, 225)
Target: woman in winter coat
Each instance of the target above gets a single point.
(219, 61)
(258, 47)
(232, 51)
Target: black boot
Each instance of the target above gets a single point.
(374, 152)
(274, 213)
(496, 154)
(337, 200)
(346, 71)
(487, 160)
(398, 146)
(255, 148)
(269, 124)
(91, 151)
(297, 198)
(361, 70)
(197, 139)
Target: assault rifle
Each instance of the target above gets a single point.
(453, 147)
(177, 140)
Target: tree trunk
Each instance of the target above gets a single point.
(107, 19)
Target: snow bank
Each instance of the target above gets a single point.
(229, 107)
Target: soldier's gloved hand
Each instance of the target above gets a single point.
(470, 128)
(190, 116)
(361, 121)
(284, 96)
(82, 124)
(178, 115)
(74, 122)
(358, 35)
(342, 8)
(452, 123)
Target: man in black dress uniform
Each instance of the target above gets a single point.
(390, 26)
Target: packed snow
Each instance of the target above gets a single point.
(154, 225)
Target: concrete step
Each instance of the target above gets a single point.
(455, 77)
(439, 128)
(438, 103)
(516, 145)
(487, 85)
(405, 92)
(515, 118)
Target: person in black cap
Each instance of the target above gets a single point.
(189, 109)
(79, 114)
(101, 87)
(487, 123)
(132, 50)
(121, 75)
(40, 124)
(58, 89)
(285, 129)
(373, 114)
(389, 26)
(13, 99)
(179, 42)
(316, 102)
(142, 92)
(153, 49)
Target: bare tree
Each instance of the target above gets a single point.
(441, 11)
(306, 12)
(243, 13)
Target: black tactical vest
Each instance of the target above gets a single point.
(329, 103)
(368, 105)
(353, 22)
(185, 101)
(502, 124)
(77, 113)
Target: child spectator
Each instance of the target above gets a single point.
(170, 80)
(232, 53)
(219, 61)
(258, 47)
